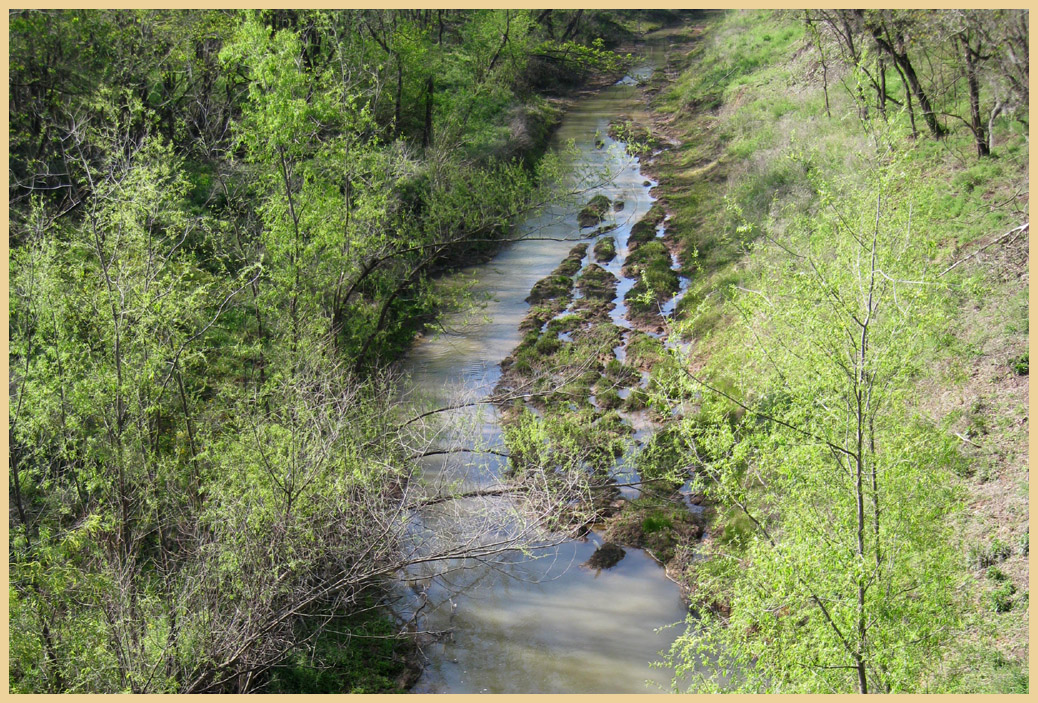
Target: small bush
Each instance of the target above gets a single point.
(1019, 364)
(1001, 598)
(996, 574)
(547, 345)
(637, 400)
(996, 552)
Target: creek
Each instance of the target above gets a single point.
(537, 622)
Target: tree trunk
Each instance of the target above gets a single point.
(976, 124)
(995, 112)
(427, 133)
(908, 101)
(572, 26)
(399, 94)
(882, 90)
(902, 61)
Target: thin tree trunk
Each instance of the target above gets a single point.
(882, 88)
(976, 124)
(571, 28)
(908, 101)
(427, 133)
(995, 112)
(901, 59)
(399, 94)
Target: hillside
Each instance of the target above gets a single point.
(787, 169)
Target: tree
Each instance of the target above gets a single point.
(989, 44)
(108, 322)
(218, 245)
(835, 571)
(893, 33)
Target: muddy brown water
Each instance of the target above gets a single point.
(536, 622)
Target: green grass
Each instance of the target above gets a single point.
(656, 522)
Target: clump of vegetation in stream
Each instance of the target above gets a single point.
(644, 230)
(619, 374)
(605, 250)
(644, 351)
(637, 138)
(656, 282)
(556, 289)
(598, 289)
(571, 264)
(662, 526)
(551, 287)
(594, 211)
(580, 444)
(544, 359)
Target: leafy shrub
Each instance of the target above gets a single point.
(1019, 364)
(1001, 599)
(996, 552)
(996, 574)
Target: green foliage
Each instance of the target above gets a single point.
(644, 230)
(597, 284)
(567, 454)
(847, 518)
(358, 655)
(637, 139)
(575, 58)
(661, 461)
(656, 524)
(995, 552)
(996, 574)
(1020, 364)
(729, 186)
(550, 287)
(985, 670)
(609, 399)
(657, 281)
(224, 225)
(643, 350)
(1000, 598)
(753, 45)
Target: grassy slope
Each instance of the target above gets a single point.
(750, 89)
